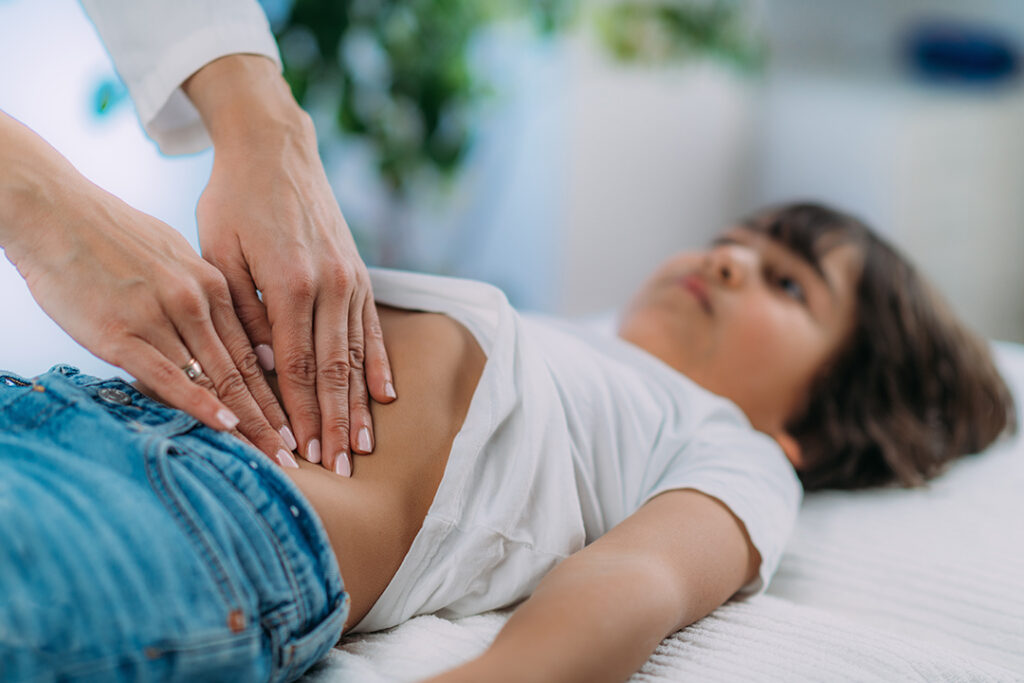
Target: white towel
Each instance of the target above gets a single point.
(764, 638)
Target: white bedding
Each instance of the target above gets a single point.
(889, 585)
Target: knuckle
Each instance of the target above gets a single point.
(359, 405)
(208, 275)
(356, 356)
(337, 424)
(119, 332)
(340, 275)
(301, 285)
(112, 327)
(231, 388)
(164, 375)
(251, 316)
(299, 367)
(189, 302)
(334, 373)
(249, 365)
(260, 432)
(216, 286)
(205, 383)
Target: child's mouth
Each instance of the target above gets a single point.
(695, 284)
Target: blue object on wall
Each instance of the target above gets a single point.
(950, 51)
(108, 95)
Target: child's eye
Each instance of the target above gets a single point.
(789, 287)
(792, 288)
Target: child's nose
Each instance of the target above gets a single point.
(729, 265)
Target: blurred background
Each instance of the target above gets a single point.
(560, 149)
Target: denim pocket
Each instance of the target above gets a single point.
(169, 488)
(278, 548)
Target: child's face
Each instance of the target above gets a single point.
(748, 319)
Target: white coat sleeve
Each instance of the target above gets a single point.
(157, 44)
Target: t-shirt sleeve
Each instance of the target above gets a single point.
(156, 45)
(748, 472)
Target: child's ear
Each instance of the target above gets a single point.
(790, 447)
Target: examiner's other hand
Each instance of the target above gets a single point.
(130, 289)
(269, 221)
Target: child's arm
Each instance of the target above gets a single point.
(600, 613)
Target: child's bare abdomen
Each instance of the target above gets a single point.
(373, 516)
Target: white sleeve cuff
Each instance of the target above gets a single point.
(166, 114)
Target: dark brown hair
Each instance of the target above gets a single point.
(910, 389)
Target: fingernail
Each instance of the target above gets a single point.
(289, 438)
(227, 418)
(342, 466)
(265, 355)
(313, 451)
(286, 459)
(363, 440)
(389, 390)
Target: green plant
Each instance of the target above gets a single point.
(397, 72)
(640, 31)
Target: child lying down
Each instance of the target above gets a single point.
(621, 488)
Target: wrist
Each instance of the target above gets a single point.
(49, 217)
(37, 189)
(242, 97)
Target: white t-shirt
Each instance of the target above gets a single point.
(567, 434)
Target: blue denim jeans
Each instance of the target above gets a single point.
(138, 545)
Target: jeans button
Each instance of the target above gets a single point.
(115, 396)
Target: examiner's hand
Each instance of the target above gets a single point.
(131, 290)
(269, 221)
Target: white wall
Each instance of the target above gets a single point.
(659, 159)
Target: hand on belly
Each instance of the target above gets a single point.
(373, 516)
